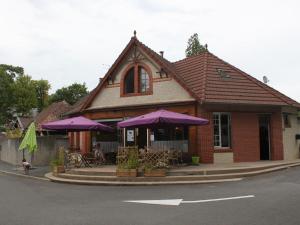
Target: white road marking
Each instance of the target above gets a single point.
(177, 202)
(159, 202)
(219, 199)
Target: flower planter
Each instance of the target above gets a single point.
(126, 172)
(195, 160)
(58, 169)
(155, 173)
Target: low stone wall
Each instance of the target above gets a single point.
(46, 150)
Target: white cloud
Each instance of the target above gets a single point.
(74, 41)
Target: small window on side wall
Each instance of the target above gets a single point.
(287, 120)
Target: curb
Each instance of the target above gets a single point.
(24, 176)
(132, 183)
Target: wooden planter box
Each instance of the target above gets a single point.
(126, 172)
(58, 169)
(155, 173)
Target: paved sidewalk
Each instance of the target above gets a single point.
(35, 172)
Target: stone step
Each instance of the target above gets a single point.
(185, 172)
(113, 180)
(129, 183)
(92, 173)
(224, 170)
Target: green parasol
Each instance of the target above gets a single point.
(29, 140)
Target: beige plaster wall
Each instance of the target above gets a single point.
(224, 157)
(164, 90)
(290, 145)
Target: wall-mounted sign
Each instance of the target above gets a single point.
(130, 135)
(152, 137)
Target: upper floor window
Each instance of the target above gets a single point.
(136, 81)
(129, 81)
(222, 130)
(144, 83)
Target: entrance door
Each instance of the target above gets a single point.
(264, 137)
(142, 137)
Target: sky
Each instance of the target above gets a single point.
(67, 41)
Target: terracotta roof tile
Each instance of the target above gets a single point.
(53, 112)
(74, 109)
(201, 74)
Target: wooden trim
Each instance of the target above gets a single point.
(113, 85)
(141, 106)
(162, 79)
(130, 112)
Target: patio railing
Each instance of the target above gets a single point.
(181, 145)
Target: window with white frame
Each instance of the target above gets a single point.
(222, 130)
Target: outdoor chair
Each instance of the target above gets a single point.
(173, 157)
(90, 158)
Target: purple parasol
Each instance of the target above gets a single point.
(79, 123)
(162, 118)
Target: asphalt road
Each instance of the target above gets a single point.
(26, 201)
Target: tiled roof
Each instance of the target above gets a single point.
(207, 78)
(25, 122)
(53, 112)
(74, 109)
(216, 81)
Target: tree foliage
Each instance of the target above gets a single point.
(19, 93)
(24, 94)
(194, 47)
(7, 75)
(42, 88)
(70, 94)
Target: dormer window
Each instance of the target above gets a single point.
(136, 81)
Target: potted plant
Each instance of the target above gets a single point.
(195, 160)
(57, 166)
(129, 168)
(157, 170)
(58, 162)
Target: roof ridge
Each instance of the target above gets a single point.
(205, 76)
(258, 82)
(189, 57)
(99, 86)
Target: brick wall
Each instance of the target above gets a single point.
(276, 136)
(205, 138)
(245, 137)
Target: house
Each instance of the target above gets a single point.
(54, 111)
(249, 120)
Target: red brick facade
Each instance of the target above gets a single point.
(276, 137)
(245, 143)
(245, 140)
(245, 137)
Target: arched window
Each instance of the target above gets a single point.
(136, 81)
(144, 83)
(129, 82)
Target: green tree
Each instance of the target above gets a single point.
(70, 94)
(194, 47)
(6, 81)
(24, 94)
(42, 88)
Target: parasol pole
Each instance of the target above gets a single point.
(147, 138)
(124, 137)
